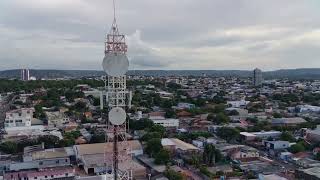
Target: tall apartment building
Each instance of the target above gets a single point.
(25, 74)
(257, 77)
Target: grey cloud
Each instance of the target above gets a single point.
(172, 34)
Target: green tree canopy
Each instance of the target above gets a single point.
(163, 157)
(297, 148)
(153, 146)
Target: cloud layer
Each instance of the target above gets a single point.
(166, 34)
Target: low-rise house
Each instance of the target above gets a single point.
(238, 104)
(250, 136)
(271, 177)
(158, 118)
(178, 146)
(86, 135)
(245, 154)
(93, 157)
(313, 135)
(311, 173)
(165, 95)
(36, 157)
(316, 150)
(185, 106)
(307, 163)
(277, 145)
(287, 122)
(57, 119)
(46, 173)
(198, 143)
(307, 108)
(286, 156)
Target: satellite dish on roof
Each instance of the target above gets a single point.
(117, 116)
(115, 64)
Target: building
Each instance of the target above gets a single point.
(250, 136)
(307, 108)
(185, 106)
(245, 154)
(20, 122)
(19, 118)
(36, 157)
(286, 156)
(287, 122)
(277, 145)
(271, 177)
(257, 77)
(167, 122)
(92, 157)
(56, 119)
(313, 135)
(238, 104)
(67, 173)
(158, 118)
(25, 74)
(246, 136)
(310, 174)
(176, 145)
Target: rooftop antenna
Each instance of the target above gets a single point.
(116, 64)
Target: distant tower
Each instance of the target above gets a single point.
(25, 75)
(257, 77)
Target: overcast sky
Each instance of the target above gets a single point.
(162, 34)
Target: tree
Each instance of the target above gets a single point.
(277, 115)
(286, 136)
(49, 141)
(80, 106)
(297, 148)
(172, 175)
(317, 156)
(163, 157)
(220, 108)
(158, 128)
(39, 112)
(9, 147)
(141, 124)
(153, 146)
(233, 113)
(170, 113)
(228, 133)
(211, 155)
(167, 104)
(220, 118)
(151, 135)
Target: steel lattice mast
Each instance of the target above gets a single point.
(117, 96)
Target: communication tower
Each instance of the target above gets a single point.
(118, 98)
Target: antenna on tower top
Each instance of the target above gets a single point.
(114, 11)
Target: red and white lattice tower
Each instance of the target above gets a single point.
(118, 98)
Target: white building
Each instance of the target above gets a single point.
(185, 106)
(167, 122)
(277, 145)
(238, 104)
(308, 108)
(267, 134)
(19, 118)
(198, 143)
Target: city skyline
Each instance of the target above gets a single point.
(214, 35)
